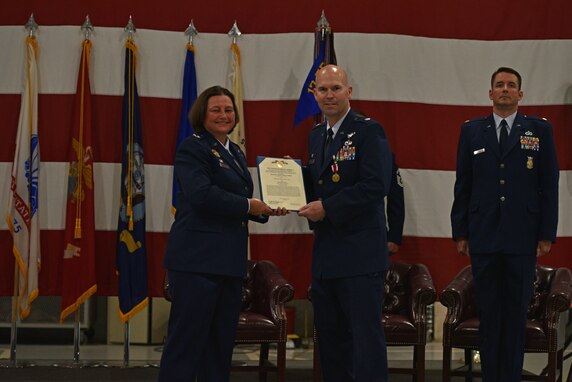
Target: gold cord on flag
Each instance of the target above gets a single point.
(236, 51)
(85, 56)
(130, 45)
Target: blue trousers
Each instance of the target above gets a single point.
(202, 327)
(503, 289)
(348, 319)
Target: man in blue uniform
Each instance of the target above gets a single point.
(395, 211)
(349, 164)
(395, 203)
(504, 216)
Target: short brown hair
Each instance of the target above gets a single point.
(504, 69)
(199, 109)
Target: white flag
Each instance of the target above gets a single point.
(238, 135)
(23, 218)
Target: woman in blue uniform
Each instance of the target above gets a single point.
(206, 256)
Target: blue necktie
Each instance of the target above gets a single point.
(329, 138)
(503, 139)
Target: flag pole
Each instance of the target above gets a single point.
(87, 29)
(238, 135)
(76, 338)
(126, 342)
(31, 28)
(188, 97)
(191, 32)
(322, 34)
(131, 30)
(14, 327)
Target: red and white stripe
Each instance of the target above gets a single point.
(421, 71)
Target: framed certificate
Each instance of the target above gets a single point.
(281, 182)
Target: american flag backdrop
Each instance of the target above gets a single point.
(419, 67)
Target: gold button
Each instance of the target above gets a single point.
(502, 181)
(320, 182)
(502, 165)
(502, 198)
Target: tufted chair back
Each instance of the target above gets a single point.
(396, 300)
(262, 320)
(408, 291)
(542, 284)
(248, 287)
(545, 327)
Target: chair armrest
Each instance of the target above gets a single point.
(421, 290)
(558, 299)
(271, 291)
(458, 297)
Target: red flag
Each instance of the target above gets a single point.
(78, 273)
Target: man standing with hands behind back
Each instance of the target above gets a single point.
(504, 216)
(350, 168)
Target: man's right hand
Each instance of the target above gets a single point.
(463, 247)
(314, 211)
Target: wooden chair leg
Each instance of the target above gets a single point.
(281, 361)
(569, 378)
(560, 365)
(446, 363)
(419, 363)
(552, 364)
(263, 362)
(469, 364)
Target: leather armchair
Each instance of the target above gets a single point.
(262, 319)
(409, 290)
(545, 329)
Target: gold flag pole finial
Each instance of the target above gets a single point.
(87, 28)
(234, 32)
(323, 25)
(31, 26)
(322, 22)
(191, 32)
(130, 28)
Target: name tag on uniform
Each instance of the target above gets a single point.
(479, 151)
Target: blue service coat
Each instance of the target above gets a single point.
(395, 206)
(351, 240)
(506, 203)
(210, 231)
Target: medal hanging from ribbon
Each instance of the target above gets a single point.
(335, 171)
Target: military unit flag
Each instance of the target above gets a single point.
(324, 55)
(23, 202)
(78, 269)
(238, 135)
(131, 252)
(189, 97)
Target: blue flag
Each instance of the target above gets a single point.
(307, 105)
(131, 254)
(189, 97)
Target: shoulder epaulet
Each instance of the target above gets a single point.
(475, 120)
(318, 125)
(534, 117)
(365, 120)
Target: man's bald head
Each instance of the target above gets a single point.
(333, 93)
